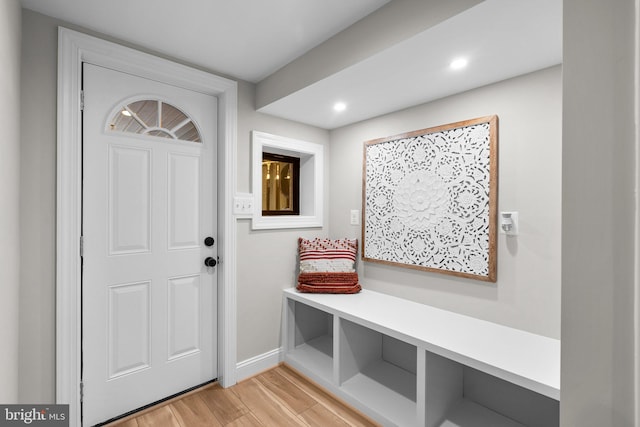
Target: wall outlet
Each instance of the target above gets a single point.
(243, 205)
(508, 223)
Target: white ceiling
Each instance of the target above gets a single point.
(499, 38)
(251, 39)
(246, 39)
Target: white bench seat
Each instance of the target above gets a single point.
(401, 362)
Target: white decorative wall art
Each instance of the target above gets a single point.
(430, 199)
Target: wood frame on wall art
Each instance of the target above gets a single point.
(429, 199)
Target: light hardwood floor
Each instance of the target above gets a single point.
(278, 397)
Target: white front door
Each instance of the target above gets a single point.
(149, 202)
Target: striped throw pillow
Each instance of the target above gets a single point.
(327, 255)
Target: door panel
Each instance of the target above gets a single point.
(149, 303)
(184, 201)
(129, 179)
(129, 346)
(184, 316)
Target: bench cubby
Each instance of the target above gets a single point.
(379, 371)
(409, 364)
(311, 341)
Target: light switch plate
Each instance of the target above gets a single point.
(243, 205)
(355, 217)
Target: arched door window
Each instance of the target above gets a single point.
(155, 118)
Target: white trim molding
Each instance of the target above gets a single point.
(637, 219)
(260, 363)
(74, 49)
(311, 181)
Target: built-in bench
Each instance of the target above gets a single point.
(409, 364)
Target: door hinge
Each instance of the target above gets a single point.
(81, 246)
(81, 391)
(81, 100)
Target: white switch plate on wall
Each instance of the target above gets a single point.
(243, 205)
(355, 217)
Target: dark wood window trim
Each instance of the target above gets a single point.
(295, 184)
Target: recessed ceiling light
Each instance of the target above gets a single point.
(458, 64)
(339, 106)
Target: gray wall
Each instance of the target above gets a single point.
(599, 190)
(527, 293)
(266, 258)
(9, 197)
(38, 208)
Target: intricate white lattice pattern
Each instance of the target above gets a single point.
(427, 200)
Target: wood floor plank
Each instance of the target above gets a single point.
(350, 415)
(265, 406)
(163, 416)
(128, 423)
(248, 420)
(278, 397)
(193, 412)
(319, 416)
(285, 390)
(224, 404)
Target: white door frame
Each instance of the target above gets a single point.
(637, 219)
(74, 48)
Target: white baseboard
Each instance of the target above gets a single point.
(253, 366)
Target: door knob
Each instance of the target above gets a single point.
(210, 262)
(209, 241)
